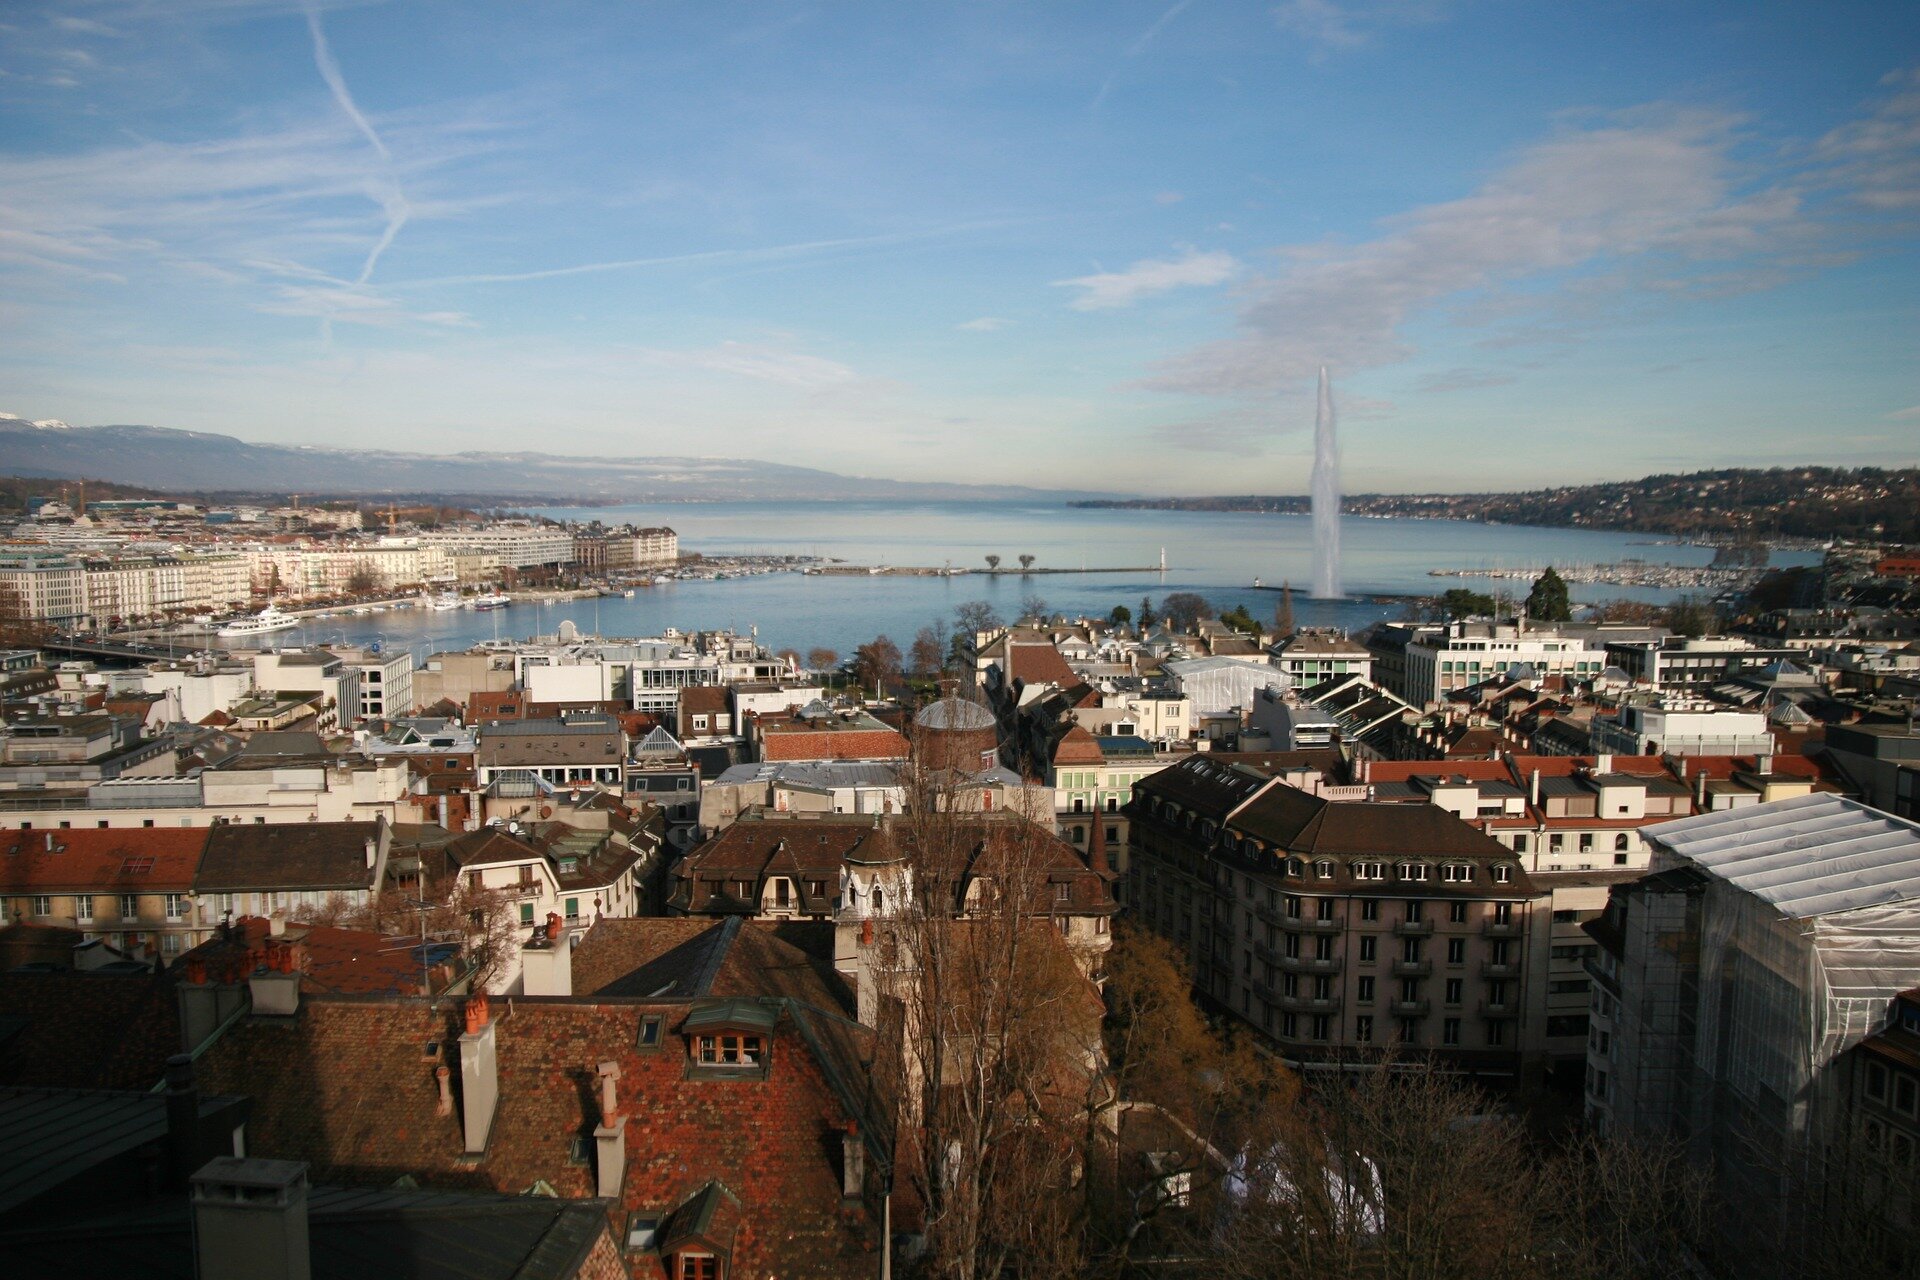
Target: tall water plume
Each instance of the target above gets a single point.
(1326, 498)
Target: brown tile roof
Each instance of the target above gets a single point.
(1306, 824)
(108, 860)
(1075, 748)
(707, 697)
(700, 956)
(287, 855)
(72, 1029)
(779, 743)
(329, 959)
(1038, 662)
(349, 1087)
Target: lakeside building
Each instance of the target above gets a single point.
(339, 568)
(512, 544)
(83, 590)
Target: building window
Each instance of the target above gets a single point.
(1369, 871)
(1363, 1029)
(129, 906)
(1456, 950)
(1496, 1034)
(1621, 842)
(43, 905)
(1455, 873)
(1520, 844)
(176, 906)
(1450, 1031)
(1502, 874)
(1323, 869)
(1366, 990)
(648, 1038)
(1876, 1080)
(83, 907)
(1367, 950)
(1369, 908)
(1323, 909)
(1906, 1094)
(1454, 988)
(1457, 912)
(1062, 891)
(729, 1050)
(573, 908)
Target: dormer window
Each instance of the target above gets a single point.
(1456, 873)
(1502, 874)
(1323, 869)
(729, 1050)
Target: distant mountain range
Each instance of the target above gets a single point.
(199, 462)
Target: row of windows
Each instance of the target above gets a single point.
(1320, 1028)
(86, 906)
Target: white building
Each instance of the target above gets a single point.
(516, 544)
(1682, 727)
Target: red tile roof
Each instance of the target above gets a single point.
(108, 860)
(1038, 662)
(87, 1030)
(329, 959)
(350, 1088)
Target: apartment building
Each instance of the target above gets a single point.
(513, 544)
(1423, 663)
(1314, 654)
(1339, 931)
(1680, 663)
(134, 888)
(385, 680)
(1673, 724)
(385, 563)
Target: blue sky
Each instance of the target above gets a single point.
(1091, 244)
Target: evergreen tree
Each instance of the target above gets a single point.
(1548, 601)
(1283, 616)
(1146, 614)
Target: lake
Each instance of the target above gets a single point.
(1216, 554)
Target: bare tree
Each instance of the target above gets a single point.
(1033, 606)
(1026, 563)
(1001, 1027)
(993, 563)
(928, 654)
(877, 662)
(974, 616)
(1184, 609)
(822, 659)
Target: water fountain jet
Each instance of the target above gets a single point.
(1326, 499)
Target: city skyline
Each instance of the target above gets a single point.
(1093, 248)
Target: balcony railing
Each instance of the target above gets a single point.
(1412, 968)
(1502, 929)
(1301, 924)
(1499, 1009)
(1411, 1008)
(1502, 969)
(1413, 928)
(1311, 1004)
(1307, 964)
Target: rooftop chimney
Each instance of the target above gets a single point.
(275, 987)
(609, 1136)
(479, 1078)
(1603, 763)
(250, 1220)
(546, 962)
(1763, 763)
(444, 1079)
(373, 851)
(1533, 788)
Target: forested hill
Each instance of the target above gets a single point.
(1792, 502)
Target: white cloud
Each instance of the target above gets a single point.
(1109, 289)
(984, 324)
(1644, 189)
(1348, 24)
(1905, 415)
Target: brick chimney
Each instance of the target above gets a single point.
(853, 1165)
(546, 961)
(479, 1078)
(609, 1136)
(250, 1220)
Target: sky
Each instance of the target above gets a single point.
(1097, 245)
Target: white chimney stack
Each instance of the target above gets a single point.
(546, 961)
(479, 1078)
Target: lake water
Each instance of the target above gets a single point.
(1216, 554)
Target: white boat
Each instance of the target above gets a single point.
(444, 601)
(265, 622)
(491, 600)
